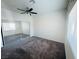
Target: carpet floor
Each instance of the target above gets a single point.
(33, 48)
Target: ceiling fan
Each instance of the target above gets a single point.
(28, 11)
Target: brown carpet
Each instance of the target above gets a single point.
(34, 48)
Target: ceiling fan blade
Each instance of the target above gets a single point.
(30, 9)
(23, 13)
(20, 9)
(33, 12)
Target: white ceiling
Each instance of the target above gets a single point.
(40, 6)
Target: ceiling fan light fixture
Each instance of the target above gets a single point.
(32, 1)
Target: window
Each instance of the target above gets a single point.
(8, 26)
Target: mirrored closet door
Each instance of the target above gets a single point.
(15, 32)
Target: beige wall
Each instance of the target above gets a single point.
(50, 26)
(18, 27)
(25, 26)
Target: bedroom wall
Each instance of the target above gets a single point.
(18, 27)
(50, 26)
(25, 27)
